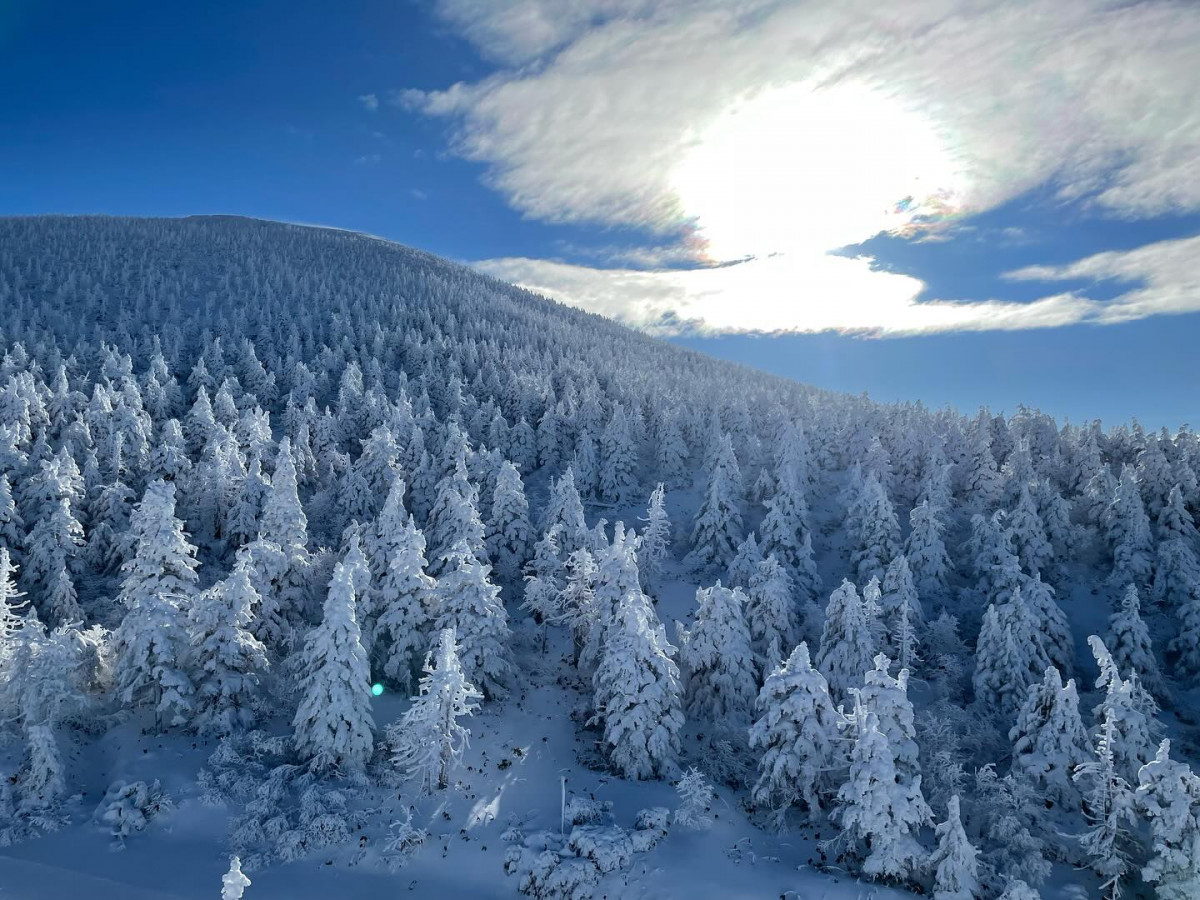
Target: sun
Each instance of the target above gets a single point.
(808, 169)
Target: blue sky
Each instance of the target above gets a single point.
(989, 203)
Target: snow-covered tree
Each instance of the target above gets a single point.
(469, 603)
(284, 524)
(1128, 530)
(744, 563)
(1176, 568)
(637, 692)
(234, 882)
(429, 741)
(618, 458)
(926, 552)
(1129, 709)
(784, 531)
(226, 658)
(799, 732)
(654, 542)
(1109, 810)
(1049, 740)
(1168, 796)
(404, 601)
(1008, 656)
(566, 509)
(715, 654)
(770, 614)
(509, 535)
(696, 798)
(954, 862)
(875, 537)
(718, 528)
(847, 646)
(1130, 644)
(880, 815)
(1028, 533)
(454, 521)
(886, 698)
(333, 725)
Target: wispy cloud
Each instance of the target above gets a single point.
(637, 113)
(370, 102)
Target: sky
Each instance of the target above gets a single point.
(990, 202)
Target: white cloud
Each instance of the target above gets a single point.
(832, 293)
(772, 127)
(370, 102)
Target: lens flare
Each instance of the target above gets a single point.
(376, 689)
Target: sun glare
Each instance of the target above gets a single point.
(806, 170)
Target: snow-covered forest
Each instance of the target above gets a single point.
(329, 568)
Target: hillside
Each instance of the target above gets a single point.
(251, 473)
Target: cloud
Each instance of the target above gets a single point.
(778, 131)
(370, 102)
(831, 293)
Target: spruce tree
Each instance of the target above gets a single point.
(770, 614)
(654, 542)
(745, 562)
(886, 698)
(1128, 530)
(1176, 568)
(799, 732)
(1029, 539)
(333, 724)
(226, 658)
(405, 600)
(618, 458)
(785, 527)
(1130, 644)
(954, 862)
(510, 535)
(1109, 810)
(715, 653)
(1007, 656)
(469, 603)
(876, 539)
(565, 508)
(428, 741)
(284, 524)
(718, 527)
(1168, 796)
(847, 647)
(637, 692)
(1049, 740)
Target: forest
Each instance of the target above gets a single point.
(319, 552)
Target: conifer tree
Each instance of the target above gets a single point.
(926, 552)
(565, 508)
(886, 698)
(333, 724)
(226, 658)
(1129, 710)
(785, 527)
(404, 600)
(770, 614)
(469, 603)
(510, 535)
(1176, 568)
(1168, 796)
(284, 524)
(1128, 530)
(718, 528)
(876, 537)
(1049, 740)
(1053, 631)
(544, 581)
(878, 813)
(1110, 814)
(1007, 656)
(454, 520)
(429, 741)
(580, 608)
(637, 692)
(715, 653)
(745, 562)
(1130, 644)
(12, 528)
(1029, 539)
(654, 543)
(671, 453)
(1185, 648)
(954, 862)
(799, 732)
(847, 647)
(618, 458)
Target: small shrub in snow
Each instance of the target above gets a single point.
(403, 843)
(587, 811)
(696, 796)
(129, 806)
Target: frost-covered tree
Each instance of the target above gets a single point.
(226, 658)
(784, 531)
(1128, 530)
(618, 458)
(1028, 534)
(1176, 568)
(637, 692)
(234, 882)
(654, 542)
(954, 862)
(566, 509)
(1008, 656)
(332, 727)
(695, 800)
(1109, 811)
(875, 536)
(1129, 709)
(744, 563)
(1130, 644)
(544, 581)
(886, 698)
(404, 601)
(715, 654)
(1053, 630)
(878, 814)
(1185, 648)
(926, 552)
(454, 521)
(671, 453)
(284, 524)
(509, 535)
(1168, 796)
(770, 614)
(585, 614)
(469, 603)
(1049, 740)
(718, 528)
(847, 645)
(799, 732)
(429, 741)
